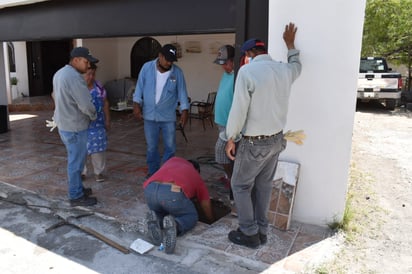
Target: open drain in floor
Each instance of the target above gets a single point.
(220, 210)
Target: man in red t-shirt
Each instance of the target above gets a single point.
(168, 194)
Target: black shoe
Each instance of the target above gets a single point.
(237, 237)
(263, 238)
(87, 191)
(83, 201)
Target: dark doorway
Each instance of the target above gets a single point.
(44, 58)
(145, 49)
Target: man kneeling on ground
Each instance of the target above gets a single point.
(168, 194)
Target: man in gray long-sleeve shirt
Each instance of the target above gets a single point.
(258, 112)
(73, 112)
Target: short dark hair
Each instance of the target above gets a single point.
(195, 164)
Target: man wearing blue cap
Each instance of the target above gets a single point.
(73, 112)
(258, 114)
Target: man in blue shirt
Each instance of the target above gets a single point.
(223, 104)
(159, 89)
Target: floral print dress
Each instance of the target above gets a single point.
(97, 138)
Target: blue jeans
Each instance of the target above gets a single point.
(152, 133)
(163, 201)
(76, 146)
(252, 181)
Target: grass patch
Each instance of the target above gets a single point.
(358, 221)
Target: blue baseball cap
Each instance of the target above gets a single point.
(83, 52)
(252, 43)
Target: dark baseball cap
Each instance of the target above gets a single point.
(225, 53)
(83, 52)
(169, 52)
(252, 43)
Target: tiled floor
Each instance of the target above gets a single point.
(33, 158)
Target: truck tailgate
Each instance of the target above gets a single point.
(376, 83)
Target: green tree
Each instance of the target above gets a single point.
(387, 31)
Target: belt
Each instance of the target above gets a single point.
(173, 186)
(260, 137)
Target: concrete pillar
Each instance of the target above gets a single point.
(323, 99)
(4, 115)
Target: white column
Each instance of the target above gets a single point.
(323, 98)
(5, 71)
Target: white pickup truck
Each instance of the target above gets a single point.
(376, 81)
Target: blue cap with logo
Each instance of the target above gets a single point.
(169, 52)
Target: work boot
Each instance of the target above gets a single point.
(87, 191)
(170, 233)
(153, 228)
(83, 201)
(238, 237)
(263, 238)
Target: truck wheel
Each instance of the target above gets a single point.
(390, 104)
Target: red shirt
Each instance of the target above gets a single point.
(182, 173)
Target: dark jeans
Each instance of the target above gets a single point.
(163, 201)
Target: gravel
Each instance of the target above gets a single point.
(379, 239)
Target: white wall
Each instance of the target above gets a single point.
(21, 67)
(3, 76)
(201, 74)
(323, 99)
(21, 70)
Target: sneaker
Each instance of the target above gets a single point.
(169, 226)
(83, 201)
(238, 237)
(153, 228)
(87, 191)
(263, 238)
(99, 178)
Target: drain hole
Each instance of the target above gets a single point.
(220, 210)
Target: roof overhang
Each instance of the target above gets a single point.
(13, 3)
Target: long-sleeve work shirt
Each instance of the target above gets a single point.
(174, 91)
(261, 97)
(74, 108)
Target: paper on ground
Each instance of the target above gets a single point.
(141, 246)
